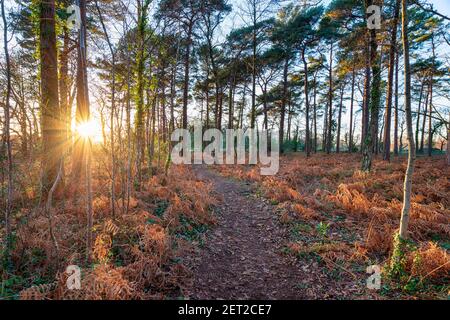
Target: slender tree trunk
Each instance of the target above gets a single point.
(128, 124)
(422, 139)
(163, 111)
(352, 102)
(288, 131)
(430, 117)
(265, 122)
(375, 96)
(367, 83)
(139, 97)
(9, 195)
(231, 104)
(404, 220)
(388, 114)
(64, 86)
(325, 129)
(22, 119)
(448, 140)
(396, 104)
(187, 65)
(50, 110)
(82, 111)
(418, 114)
(306, 89)
(172, 101)
(89, 210)
(315, 113)
(220, 115)
(113, 107)
(254, 45)
(283, 103)
(330, 102)
(338, 138)
(207, 98)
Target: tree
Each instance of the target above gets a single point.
(50, 110)
(305, 27)
(286, 46)
(9, 160)
(448, 140)
(375, 99)
(388, 113)
(330, 32)
(187, 13)
(404, 220)
(256, 12)
(211, 20)
(143, 6)
(269, 63)
(113, 101)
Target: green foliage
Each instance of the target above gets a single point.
(10, 287)
(396, 269)
(190, 230)
(322, 230)
(161, 208)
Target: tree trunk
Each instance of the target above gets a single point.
(315, 113)
(352, 101)
(338, 138)
(163, 110)
(375, 96)
(396, 104)
(231, 104)
(283, 103)
(330, 102)
(8, 238)
(430, 117)
(220, 113)
(265, 122)
(254, 44)
(64, 81)
(422, 139)
(187, 64)
(388, 115)
(172, 101)
(307, 137)
(50, 110)
(127, 197)
(288, 131)
(366, 98)
(207, 97)
(418, 114)
(113, 107)
(448, 140)
(404, 220)
(139, 98)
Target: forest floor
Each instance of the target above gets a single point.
(226, 232)
(243, 256)
(311, 231)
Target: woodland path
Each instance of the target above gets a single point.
(242, 256)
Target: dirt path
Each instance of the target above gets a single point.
(242, 257)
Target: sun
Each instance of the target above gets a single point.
(90, 130)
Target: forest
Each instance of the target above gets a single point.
(94, 206)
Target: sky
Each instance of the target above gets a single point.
(442, 6)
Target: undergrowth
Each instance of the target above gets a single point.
(349, 218)
(134, 255)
